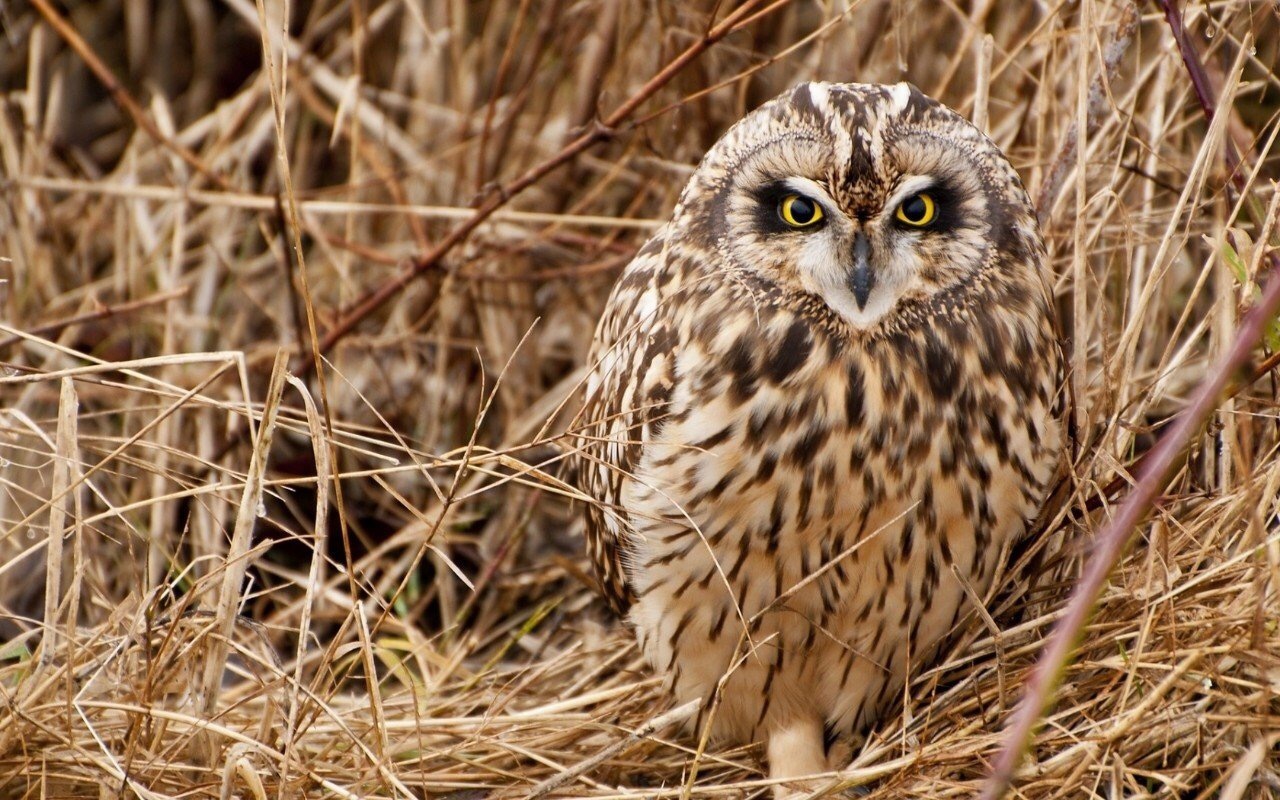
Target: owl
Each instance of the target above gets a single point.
(825, 401)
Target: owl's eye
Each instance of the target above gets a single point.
(917, 210)
(799, 211)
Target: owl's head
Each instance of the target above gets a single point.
(868, 197)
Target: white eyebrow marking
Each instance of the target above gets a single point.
(812, 189)
(909, 185)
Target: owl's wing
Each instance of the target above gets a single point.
(627, 395)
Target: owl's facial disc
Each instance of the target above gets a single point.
(863, 257)
(849, 260)
(866, 197)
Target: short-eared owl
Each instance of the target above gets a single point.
(828, 386)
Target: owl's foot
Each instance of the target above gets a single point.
(796, 750)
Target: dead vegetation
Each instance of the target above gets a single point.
(366, 579)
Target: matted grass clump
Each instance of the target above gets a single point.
(295, 312)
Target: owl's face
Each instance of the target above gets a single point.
(865, 196)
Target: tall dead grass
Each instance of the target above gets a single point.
(290, 307)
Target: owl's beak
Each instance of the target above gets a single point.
(862, 279)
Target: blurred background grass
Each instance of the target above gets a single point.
(189, 187)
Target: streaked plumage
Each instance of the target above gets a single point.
(796, 431)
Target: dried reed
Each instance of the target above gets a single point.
(365, 579)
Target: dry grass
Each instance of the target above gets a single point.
(218, 580)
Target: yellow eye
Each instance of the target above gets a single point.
(917, 210)
(799, 211)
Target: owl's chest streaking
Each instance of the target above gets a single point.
(805, 507)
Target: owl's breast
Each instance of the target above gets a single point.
(832, 496)
(794, 464)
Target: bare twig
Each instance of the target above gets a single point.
(118, 93)
(499, 197)
(499, 689)
(1152, 474)
(106, 312)
(1114, 536)
(1200, 83)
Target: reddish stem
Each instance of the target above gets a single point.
(1114, 535)
(740, 17)
(1151, 477)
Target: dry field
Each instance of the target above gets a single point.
(296, 301)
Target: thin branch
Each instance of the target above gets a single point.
(1200, 84)
(1114, 536)
(501, 195)
(121, 97)
(53, 329)
(1151, 476)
